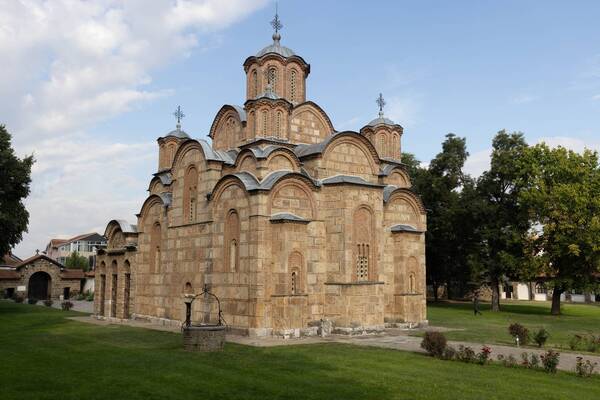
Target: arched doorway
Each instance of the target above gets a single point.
(39, 286)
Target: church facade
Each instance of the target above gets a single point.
(297, 228)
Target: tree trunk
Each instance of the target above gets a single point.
(495, 295)
(556, 301)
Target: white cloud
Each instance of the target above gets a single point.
(571, 143)
(69, 64)
(478, 162)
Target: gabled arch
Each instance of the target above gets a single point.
(151, 201)
(187, 146)
(295, 183)
(156, 185)
(390, 170)
(226, 110)
(318, 110)
(359, 141)
(243, 180)
(391, 192)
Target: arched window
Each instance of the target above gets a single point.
(188, 289)
(278, 119)
(232, 241)
(396, 148)
(411, 283)
(363, 238)
(295, 262)
(155, 239)
(293, 85)
(265, 118)
(190, 194)
(254, 83)
(382, 145)
(251, 123)
(272, 79)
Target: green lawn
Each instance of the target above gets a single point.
(493, 327)
(45, 356)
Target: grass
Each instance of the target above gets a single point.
(493, 327)
(46, 356)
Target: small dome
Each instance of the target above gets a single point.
(178, 133)
(276, 48)
(381, 121)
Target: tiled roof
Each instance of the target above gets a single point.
(9, 274)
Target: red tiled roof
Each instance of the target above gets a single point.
(10, 259)
(37, 257)
(9, 274)
(72, 274)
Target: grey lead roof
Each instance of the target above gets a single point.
(125, 226)
(381, 121)
(354, 180)
(280, 217)
(178, 133)
(241, 112)
(165, 177)
(387, 192)
(276, 48)
(404, 228)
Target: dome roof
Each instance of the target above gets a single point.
(381, 121)
(178, 133)
(276, 48)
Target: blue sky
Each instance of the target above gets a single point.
(467, 67)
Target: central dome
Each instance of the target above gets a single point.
(276, 48)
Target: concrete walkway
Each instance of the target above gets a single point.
(396, 339)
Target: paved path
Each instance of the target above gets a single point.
(396, 339)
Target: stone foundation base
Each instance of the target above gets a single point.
(407, 325)
(358, 330)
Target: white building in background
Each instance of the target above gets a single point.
(538, 291)
(85, 245)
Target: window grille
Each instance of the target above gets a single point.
(362, 262)
(293, 85)
(264, 122)
(294, 282)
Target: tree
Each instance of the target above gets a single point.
(563, 196)
(77, 261)
(502, 220)
(439, 187)
(15, 177)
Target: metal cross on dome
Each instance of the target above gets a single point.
(276, 23)
(381, 103)
(179, 115)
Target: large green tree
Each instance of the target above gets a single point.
(563, 196)
(15, 177)
(439, 186)
(502, 222)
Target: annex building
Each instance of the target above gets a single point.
(297, 228)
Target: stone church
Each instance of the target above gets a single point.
(296, 227)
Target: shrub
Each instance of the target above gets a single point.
(32, 300)
(550, 361)
(19, 299)
(66, 305)
(48, 303)
(434, 343)
(449, 353)
(575, 342)
(534, 361)
(80, 296)
(517, 330)
(592, 343)
(509, 361)
(89, 295)
(483, 356)
(585, 368)
(465, 354)
(540, 337)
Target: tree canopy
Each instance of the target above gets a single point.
(15, 177)
(77, 261)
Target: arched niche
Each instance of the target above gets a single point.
(292, 196)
